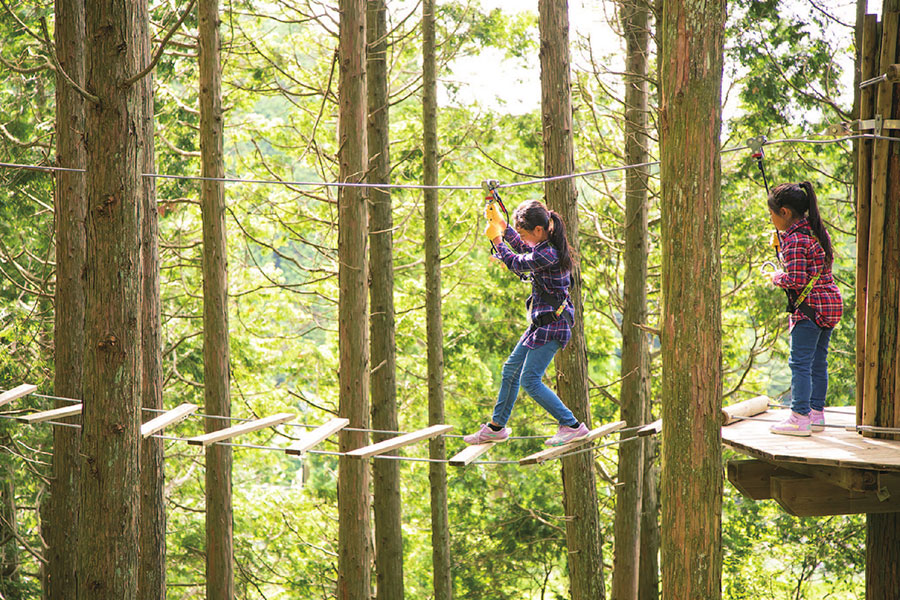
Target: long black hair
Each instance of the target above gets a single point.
(800, 199)
(533, 213)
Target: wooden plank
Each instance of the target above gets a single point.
(863, 199)
(17, 392)
(316, 436)
(752, 478)
(49, 415)
(550, 453)
(650, 428)
(470, 453)
(810, 497)
(176, 415)
(400, 441)
(230, 432)
(835, 446)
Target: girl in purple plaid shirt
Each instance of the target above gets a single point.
(539, 247)
(814, 301)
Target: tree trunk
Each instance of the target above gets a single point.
(114, 129)
(9, 530)
(648, 588)
(354, 553)
(60, 528)
(691, 38)
(437, 471)
(217, 390)
(883, 530)
(883, 555)
(635, 392)
(152, 578)
(583, 536)
(386, 473)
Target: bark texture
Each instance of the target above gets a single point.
(114, 129)
(60, 527)
(635, 392)
(437, 471)
(216, 370)
(691, 38)
(152, 577)
(386, 473)
(583, 535)
(354, 551)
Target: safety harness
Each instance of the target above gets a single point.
(559, 306)
(797, 300)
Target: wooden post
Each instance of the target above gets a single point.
(870, 41)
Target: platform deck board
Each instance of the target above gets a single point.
(834, 446)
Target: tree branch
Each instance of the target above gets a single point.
(53, 61)
(162, 47)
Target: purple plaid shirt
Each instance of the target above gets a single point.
(540, 261)
(802, 257)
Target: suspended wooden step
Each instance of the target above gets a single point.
(400, 441)
(470, 453)
(49, 415)
(17, 392)
(230, 432)
(550, 453)
(176, 415)
(316, 436)
(730, 414)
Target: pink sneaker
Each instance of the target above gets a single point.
(817, 420)
(486, 435)
(796, 424)
(564, 435)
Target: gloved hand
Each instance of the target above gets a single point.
(492, 214)
(494, 230)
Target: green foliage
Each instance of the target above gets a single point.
(281, 117)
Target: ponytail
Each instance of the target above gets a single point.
(815, 222)
(557, 236)
(800, 199)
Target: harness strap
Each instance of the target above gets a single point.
(797, 301)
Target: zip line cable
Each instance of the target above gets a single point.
(533, 181)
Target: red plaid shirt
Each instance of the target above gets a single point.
(541, 261)
(802, 257)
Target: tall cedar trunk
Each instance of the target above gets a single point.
(635, 392)
(386, 473)
(691, 37)
(437, 471)
(152, 578)
(648, 588)
(114, 130)
(216, 374)
(60, 528)
(354, 560)
(583, 536)
(883, 530)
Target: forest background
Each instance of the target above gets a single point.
(787, 78)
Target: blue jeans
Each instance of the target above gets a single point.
(809, 366)
(527, 365)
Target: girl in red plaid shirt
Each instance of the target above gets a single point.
(814, 301)
(536, 246)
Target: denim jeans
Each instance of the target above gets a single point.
(527, 365)
(809, 366)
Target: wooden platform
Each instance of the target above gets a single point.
(832, 472)
(832, 447)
